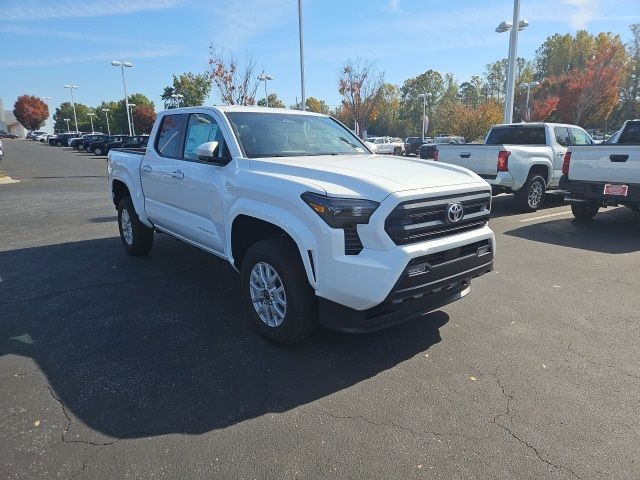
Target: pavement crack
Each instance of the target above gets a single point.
(507, 413)
(64, 411)
(97, 285)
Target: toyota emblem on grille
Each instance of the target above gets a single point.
(455, 212)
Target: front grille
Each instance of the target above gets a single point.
(424, 219)
(352, 243)
(446, 256)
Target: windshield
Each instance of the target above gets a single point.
(286, 135)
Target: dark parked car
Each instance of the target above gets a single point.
(99, 147)
(62, 139)
(427, 151)
(412, 144)
(136, 141)
(4, 134)
(87, 139)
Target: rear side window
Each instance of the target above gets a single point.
(168, 142)
(631, 134)
(518, 135)
(562, 136)
(580, 137)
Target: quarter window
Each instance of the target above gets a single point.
(168, 143)
(580, 137)
(202, 128)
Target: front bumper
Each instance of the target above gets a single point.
(588, 191)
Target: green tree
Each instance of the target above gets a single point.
(194, 88)
(471, 92)
(430, 82)
(274, 102)
(118, 116)
(315, 105)
(629, 106)
(387, 121)
(100, 120)
(65, 110)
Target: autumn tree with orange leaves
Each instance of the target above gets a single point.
(359, 84)
(143, 118)
(31, 112)
(236, 83)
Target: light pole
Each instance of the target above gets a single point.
(121, 64)
(106, 114)
(264, 78)
(91, 115)
(526, 108)
(67, 120)
(177, 97)
(513, 55)
(304, 106)
(424, 97)
(73, 104)
(46, 100)
(132, 127)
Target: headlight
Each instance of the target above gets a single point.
(338, 212)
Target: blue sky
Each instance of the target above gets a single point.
(46, 44)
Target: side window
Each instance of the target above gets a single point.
(580, 137)
(631, 133)
(562, 136)
(168, 142)
(202, 128)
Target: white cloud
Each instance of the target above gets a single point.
(92, 57)
(392, 6)
(580, 12)
(37, 9)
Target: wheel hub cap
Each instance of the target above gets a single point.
(268, 296)
(535, 194)
(127, 229)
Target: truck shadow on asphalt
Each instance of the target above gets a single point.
(504, 205)
(612, 231)
(142, 347)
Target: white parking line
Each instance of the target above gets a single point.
(545, 216)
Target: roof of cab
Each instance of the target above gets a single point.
(243, 108)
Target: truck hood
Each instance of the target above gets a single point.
(374, 177)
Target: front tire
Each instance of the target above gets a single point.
(136, 237)
(584, 211)
(280, 301)
(58, 144)
(531, 196)
(98, 151)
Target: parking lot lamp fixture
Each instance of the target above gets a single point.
(528, 86)
(177, 97)
(132, 127)
(91, 115)
(73, 104)
(513, 55)
(264, 78)
(106, 114)
(121, 64)
(424, 97)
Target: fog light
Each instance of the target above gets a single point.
(417, 269)
(483, 250)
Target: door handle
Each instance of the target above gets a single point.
(618, 158)
(560, 154)
(177, 174)
(465, 154)
(146, 167)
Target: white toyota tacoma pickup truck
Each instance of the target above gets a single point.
(321, 230)
(602, 175)
(523, 158)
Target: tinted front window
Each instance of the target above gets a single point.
(562, 136)
(202, 128)
(169, 136)
(631, 133)
(580, 137)
(288, 134)
(518, 135)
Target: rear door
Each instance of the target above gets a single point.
(562, 142)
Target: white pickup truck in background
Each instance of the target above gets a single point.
(523, 158)
(603, 175)
(389, 145)
(321, 230)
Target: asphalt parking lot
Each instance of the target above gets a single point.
(121, 367)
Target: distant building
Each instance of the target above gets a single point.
(8, 122)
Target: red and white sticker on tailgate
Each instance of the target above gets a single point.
(615, 189)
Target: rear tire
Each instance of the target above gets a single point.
(584, 211)
(58, 144)
(136, 237)
(531, 196)
(98, 151)
(279, 299)
(397, 151)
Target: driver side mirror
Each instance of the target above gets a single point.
(208, 152)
